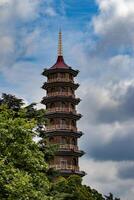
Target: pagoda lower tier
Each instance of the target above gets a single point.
(60, 97)
(59, 83)
(60, 114)
(66, 156)
(59, 132)
(66, 168)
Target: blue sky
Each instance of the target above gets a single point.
(97, 40)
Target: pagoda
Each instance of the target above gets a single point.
(61, 129)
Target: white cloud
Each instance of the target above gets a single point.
(2, 2)
(114, 24)
(25, 10)
(111, 11)
(8, 45)
(50, 12)
(103, 177)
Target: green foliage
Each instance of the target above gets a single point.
(22, 165)
(11, 101)
(72, 189)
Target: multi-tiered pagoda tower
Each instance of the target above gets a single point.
(60, 101)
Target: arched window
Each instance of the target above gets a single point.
(72, 106)
(73, 141)
(73, 123)
(61, 89)
(72, 91)
(53, 89)
(51, 140)
(52, 121)
(70, 76)
(63, 75)
(63, 122)
(63, 104)
(52, 105)
(74, 162)
(63, 140)
(63, 163)
(55, 75)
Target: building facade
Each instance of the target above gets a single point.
(61, 129)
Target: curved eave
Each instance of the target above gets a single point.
(46, 72)
(47, 134)
(66, 173)
(67, 84)
(65, 152)
(60, 98)
(62, 115)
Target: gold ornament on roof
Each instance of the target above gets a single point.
(60, 51)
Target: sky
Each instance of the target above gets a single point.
(98, 40)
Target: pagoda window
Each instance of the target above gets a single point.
(58, 121)
(63, 105)
(72, 106)
(52, 105)
(73, 141)
(71, 90)
(52, 121)
(74, 162)
(70, 77)
(63, 121)
(49, 90)
(68, 140)
(51, 140)
(49, 77)
(53, 76)
(58, 104)
(63, 164)
(62, 75)
(52, 89)
(63, 140)
(73, 123)
(67, 121)
(62, 89)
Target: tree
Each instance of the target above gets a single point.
(72, 189)
(11, 101)
(111, 197)
(22, 165)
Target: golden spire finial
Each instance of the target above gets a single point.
(60, 44)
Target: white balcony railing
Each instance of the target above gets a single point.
(68, 147)
(51, 94)
(60, 109)
(61, 127)
(60, 80)
(64, 167)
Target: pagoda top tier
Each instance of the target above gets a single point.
(60, 60)
(60, 65)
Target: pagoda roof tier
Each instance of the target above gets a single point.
(69, 115)
(69, 152)
(55, 84)
(70, 170)
(69, 70)
(51, 99)
(67, 173)
(48, 134)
